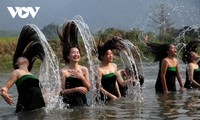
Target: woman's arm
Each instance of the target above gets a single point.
(86, 80)
(120, 80)
(63, 74)
(4, 90)
(190, 75)
(179, 77)
(83, 75)
(164, 67)
(116, 84)
(113, 97)
(117, 89)
(63, 78)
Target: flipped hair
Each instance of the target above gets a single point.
(29, 46)
(114, 43)
(68, 34)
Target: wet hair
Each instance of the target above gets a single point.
(114, 43)
(132, 70)
(158, 50)
(190, 47)
(29, 46)
(68, 34)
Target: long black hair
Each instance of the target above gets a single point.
(68, 34)
(29, 46)
(190, 47)
(158, 50)
(114, 43)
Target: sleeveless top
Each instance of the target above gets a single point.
(170, 80)
(196, 77)
(29, 94)
(122, 90)
(108, 83)
(74, 99)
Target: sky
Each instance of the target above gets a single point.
(100, 14)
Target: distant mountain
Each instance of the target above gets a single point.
(4, 33)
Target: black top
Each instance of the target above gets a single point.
(170, 80)
(108, 83)
(196, 77)
(74, 99)
(122, 90)
(30, 95)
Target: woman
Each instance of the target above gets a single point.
(168, 67)
(74, 77)
(190, 57)
(109, 77)
(29, 92)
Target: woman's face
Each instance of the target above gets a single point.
(172, 50)
(194, 55)
(108, 56)
(74, 54)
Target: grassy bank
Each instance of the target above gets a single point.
(8, 46)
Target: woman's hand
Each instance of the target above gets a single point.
(82, 90)
(113, 97)
(7, 97)
(76, 74)
(129, 81)
(166, 92)
(181, 89)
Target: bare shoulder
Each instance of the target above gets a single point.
(113, 65)
(190, 65)
(176, 60)
(15, 74)
(63, 71)
(165, 60)
(100, 70)
(83, 68)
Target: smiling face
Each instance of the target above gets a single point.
(74, 55)
(108, 56)
(172, 50)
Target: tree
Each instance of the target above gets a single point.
(109, 33)
(160, 17)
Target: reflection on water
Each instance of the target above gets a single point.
(155, 106)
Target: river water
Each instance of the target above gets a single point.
(178, 106)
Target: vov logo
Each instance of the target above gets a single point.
(23, 12)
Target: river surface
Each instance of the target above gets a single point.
(178, 106)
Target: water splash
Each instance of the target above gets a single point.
(91, 51)
(49, 74)
(134, 93)
(179, 13)
(181, 41)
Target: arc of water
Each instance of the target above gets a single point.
(49, 73)
(91, 51)
(133, 92)
(180, 45)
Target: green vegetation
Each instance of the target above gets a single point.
(160, 21)
(8, 44)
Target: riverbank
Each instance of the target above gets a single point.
(8, 46)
